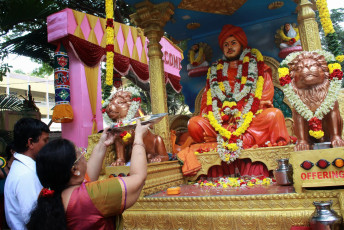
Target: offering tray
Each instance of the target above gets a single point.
(131, 124)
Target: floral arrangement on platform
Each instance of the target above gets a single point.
(330, 33)
(314, 119)
(242, 104)
(110, 34)
(227, 182)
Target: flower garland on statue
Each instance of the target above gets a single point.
(134, 106)
(110, 34)
(314, 119)
(243, 103)
(199, 57)
(330, 33)
(288, 39)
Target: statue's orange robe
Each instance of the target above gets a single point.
(266, 126)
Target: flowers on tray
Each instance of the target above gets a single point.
(314, 119)
(241, 103)
(125, 136)
(226, 182)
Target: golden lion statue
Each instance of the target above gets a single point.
(311, 83)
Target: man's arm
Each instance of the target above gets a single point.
(27, 191)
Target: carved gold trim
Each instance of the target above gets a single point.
(109, 155)
(193, 25)
(268, 156)
(227, 212)
(160, 176)
(275, 5)
(227, 7)
(308, 27)
(179, 122)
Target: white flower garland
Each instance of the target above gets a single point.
(322, 110)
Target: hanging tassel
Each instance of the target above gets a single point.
(63, 112)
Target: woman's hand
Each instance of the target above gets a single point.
(107, 137)
(141, 130)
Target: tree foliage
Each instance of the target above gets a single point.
(44, 70)
(23, 31)
(23, 27)
(337, 17)
(4, 67)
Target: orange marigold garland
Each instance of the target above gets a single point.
(110, 34)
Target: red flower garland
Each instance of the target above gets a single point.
(109, 22)
(138, 99)
(285, 80)
(336, 73)
(110, 48)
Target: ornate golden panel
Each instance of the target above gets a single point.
(227, 212)
(227, 7)
(309, 33)
(160, 176)
(109, 155)
(268, 156)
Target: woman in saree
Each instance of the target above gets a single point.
(68, 202)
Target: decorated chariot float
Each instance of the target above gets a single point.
(239, 177)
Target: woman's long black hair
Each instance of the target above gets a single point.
(53, 164)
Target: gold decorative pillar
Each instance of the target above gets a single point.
(309, 33)
(152, 18)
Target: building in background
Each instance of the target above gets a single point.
(42, 90)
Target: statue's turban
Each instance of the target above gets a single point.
(230, 30)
